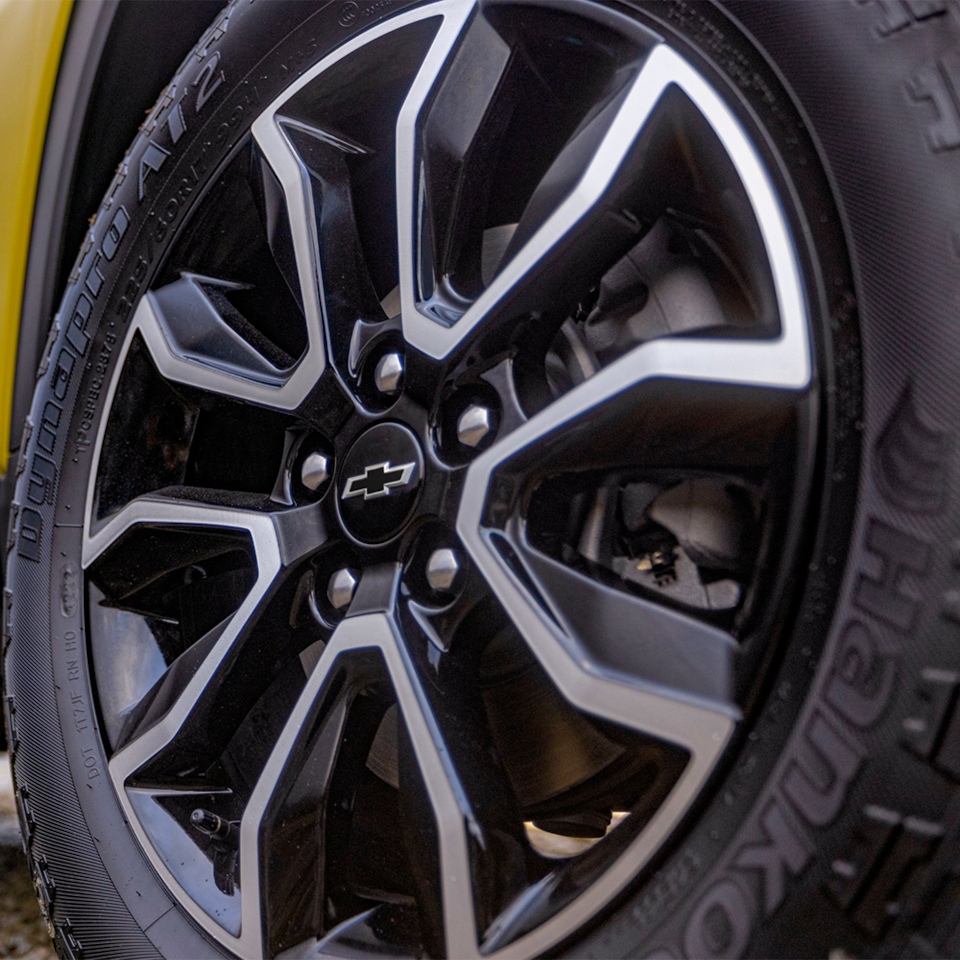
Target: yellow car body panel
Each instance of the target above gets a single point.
(31, 41)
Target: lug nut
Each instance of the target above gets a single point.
(442, 569)
(474, 424)
(315, 469)
(388, 373)
(342, 586)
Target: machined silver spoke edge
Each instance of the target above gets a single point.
(786, 361)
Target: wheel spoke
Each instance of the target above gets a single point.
(280, 536)
(191, 314)
(549, 256)
(416, 265)
(309, 741)
(636, 637)
(457, 167)
(449, 694)
(585, 680)
(187, 328)
(187, 718)
(451, 809)
(744, 393)
(275, 216)
(305, 830)
(207, 689)
(194, 334)
(652, 425)
(667, 712)
(640, 678)
(281, 158)
(325, 166)
(328, 176)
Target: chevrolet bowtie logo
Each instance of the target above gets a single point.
(378, 480)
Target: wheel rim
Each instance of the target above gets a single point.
(526, 391)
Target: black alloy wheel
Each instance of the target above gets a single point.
(559, 348)
(448, 511)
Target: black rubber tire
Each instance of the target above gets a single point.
(837, 825)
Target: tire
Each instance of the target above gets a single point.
(826, 821)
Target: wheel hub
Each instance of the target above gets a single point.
(380, 483)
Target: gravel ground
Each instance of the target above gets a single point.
(22, 932)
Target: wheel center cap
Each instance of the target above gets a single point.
(380, 482)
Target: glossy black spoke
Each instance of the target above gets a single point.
(376, 930)
(634, 636)
(344, 143)
(661, 424)
(241, 317)
(659, 261)
(207, 587)
(275, 218)
(168, 689)
(351, 298)
(203, 327)
(656, 266)
(496, 133)
(594, 427)
(553, 285)
(260, 654)
(501, 863)
(315, 732)
(461, 136)
(309, 867)
(170, 564)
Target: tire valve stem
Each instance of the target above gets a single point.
(225, 839)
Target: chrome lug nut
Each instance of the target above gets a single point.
(342, 586)
(388, 373)
(442, 568)
(474, 424)
(314, 470)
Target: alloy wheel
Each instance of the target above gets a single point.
(482, 429)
